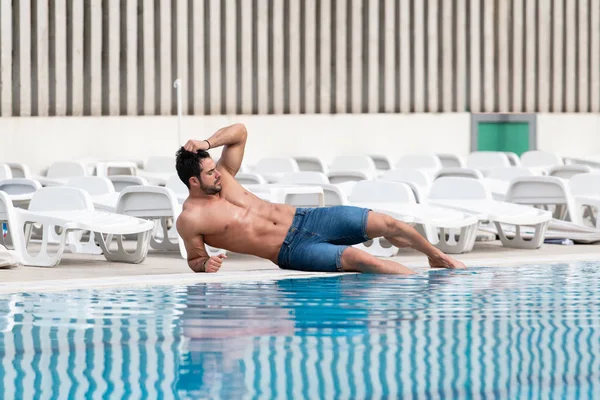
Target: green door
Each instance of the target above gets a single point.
(503, 136)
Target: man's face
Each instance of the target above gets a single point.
(210, 178)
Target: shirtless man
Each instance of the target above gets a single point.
(221, 213)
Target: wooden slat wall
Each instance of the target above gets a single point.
(106, 57)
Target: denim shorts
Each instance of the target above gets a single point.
(318, 236)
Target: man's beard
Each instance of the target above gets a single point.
(209, 189)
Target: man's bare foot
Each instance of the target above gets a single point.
(446, 261)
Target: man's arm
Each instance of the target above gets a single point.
(197, 257)
(233, 137)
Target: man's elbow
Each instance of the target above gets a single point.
(242, 131)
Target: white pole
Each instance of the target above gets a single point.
(177, 85)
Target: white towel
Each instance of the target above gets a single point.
(8, 258)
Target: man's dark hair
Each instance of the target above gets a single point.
(188, 164)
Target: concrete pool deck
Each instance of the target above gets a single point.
(89, 271)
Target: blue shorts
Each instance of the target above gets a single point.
(318, 236)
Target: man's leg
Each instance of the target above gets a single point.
(355, 260)
(403, 235)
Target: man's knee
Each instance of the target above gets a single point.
(381, 225)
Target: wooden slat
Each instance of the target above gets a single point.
(545, 62)
(43, 68)
(231, 57)
(570, 56)
(278, 56)
(595, 55)
(341, 80)
(474, 37)
(77, 77)
(489, 59)
(389, 82)
(557, 81)
(294, 55)
(530, 49)
(310, 49)
(325, 39)
(263, 58)
(432, 57)
(96, 58)
(373, 99)
(132, 61)
(149, 54)
(60, 56)
(25, 57)
(448, 70)
(198, 56)
(6, 58)
(182, 54)
(247, 73)
(461, 56)
(114, 51)
(418, 62)
(356, 100)
(584, 41)
(404, 52)
(503, 49)
(166, 79)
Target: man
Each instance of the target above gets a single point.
(221, 213)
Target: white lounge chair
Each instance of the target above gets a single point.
(334, 195)
(271, 168)
(513, 158)
(20, 190)
(5, 172)
(540, 160)
(382, 163)
(158, 169)
(107, 168)
(471, 196)
(100, 188)
(351, 169)
(161, 206)
(450, 160)
(586, 192)
(19, 170)
(419, 181)
(568, 171)
(545, 192)
(120, 182)
(428, 163)
(487, 160)
(178, 187)
(450, 231)
(551, 192)
(459, 172)
(71, 210)
(59, 172)
(308, 163)
(498, 179)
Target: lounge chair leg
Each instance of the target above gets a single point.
(519, 241)
(446, 243)
(121, 255)
(43, 258)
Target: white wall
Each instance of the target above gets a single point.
(569, 134)
(39, 141)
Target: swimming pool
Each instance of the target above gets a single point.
(524, 332)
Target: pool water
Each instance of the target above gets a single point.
(524, 332)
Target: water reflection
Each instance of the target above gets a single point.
(511, 333)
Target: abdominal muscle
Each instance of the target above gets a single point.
(257, 227)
